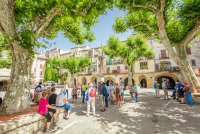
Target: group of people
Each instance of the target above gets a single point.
(49, 101)
(182, 92)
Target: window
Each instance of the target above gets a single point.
(188, 50)
(163, 53)
(193, 62)
(143, 65)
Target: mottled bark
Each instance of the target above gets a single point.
(130, 74)
(179, 55)
(17, 97)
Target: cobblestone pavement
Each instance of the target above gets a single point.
(149, 116)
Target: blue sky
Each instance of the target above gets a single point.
(102, 30)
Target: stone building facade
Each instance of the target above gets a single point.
(146, 71)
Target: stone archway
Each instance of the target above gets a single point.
(84, 80)
(143, 81)
(108, 80)
(169, 79)
(126, 81)
(93, 79)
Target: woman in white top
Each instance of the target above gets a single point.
(61, 101)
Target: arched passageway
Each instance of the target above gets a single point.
(94, 80)
(126, 82)
(108, 82)
(143, 83)
(169, 81)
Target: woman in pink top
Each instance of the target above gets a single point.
(43, 109)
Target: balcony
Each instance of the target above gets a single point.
(163, 57)
(170, 69)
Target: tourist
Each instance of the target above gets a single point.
(74, 94)
(131, 92)
(136, 89)
(37, 93)
(188, 92)
(78, 87)
(111, 92)
(156, 88)
(66, 89)
(61, 101)
(43, 109)
(122, 87)
(90, 93)
(102, 98)
(52, 101)
(179, 92)
(105, 93)
(84, 88)
(118, 95)
(164, 87)
(39, 86)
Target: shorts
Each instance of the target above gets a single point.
(74, 96)
(118, 97)
(48, 116)
(122, 94)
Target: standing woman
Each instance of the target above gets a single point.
(118, 95)
(43, 109)
(122, 91)
(136, 89)
(187, 92)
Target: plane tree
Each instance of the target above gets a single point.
(173, 22)
(22, 23)
(129, 52)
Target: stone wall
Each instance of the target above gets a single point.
(27, 124)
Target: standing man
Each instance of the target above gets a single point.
(156, 88)
(91, 93)
(105, 96)
(164, 87)
(84, 88)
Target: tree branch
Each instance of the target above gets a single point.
(162, 5)
(191, 34)
(144, 24)
(84, 11)
(145, 7)
(54, 12)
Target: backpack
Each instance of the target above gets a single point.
(92, 92)
(105, 91)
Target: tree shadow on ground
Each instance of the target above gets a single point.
(149, 116)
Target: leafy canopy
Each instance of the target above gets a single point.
(45, 18)
(75, 65)
(134, 48)
(181, 16)
(72, 64)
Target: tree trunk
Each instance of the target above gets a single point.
(130, 75)
(17, 97)
(178, 55)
